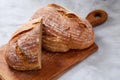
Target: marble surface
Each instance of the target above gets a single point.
(104, 64)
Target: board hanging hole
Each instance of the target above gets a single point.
(98, 15)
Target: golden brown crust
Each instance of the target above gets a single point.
(64, 30)
(24, 49)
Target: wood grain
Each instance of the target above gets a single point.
(53, 65)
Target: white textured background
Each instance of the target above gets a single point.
(104, 64)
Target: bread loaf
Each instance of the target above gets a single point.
(64, 30)
(58, 29)
(23, 51)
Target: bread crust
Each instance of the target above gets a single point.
(64, 30)
(24, 48)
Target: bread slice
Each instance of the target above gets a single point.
(24, 48)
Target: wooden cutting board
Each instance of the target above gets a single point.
(53, 64)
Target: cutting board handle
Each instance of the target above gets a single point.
(97, 17)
